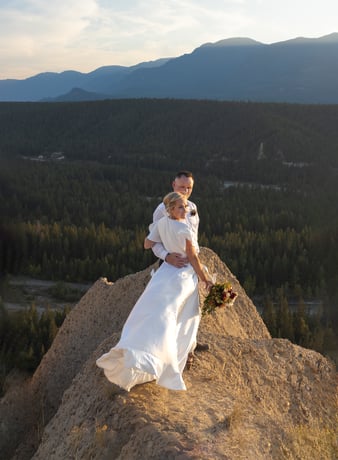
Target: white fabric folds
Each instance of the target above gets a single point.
(162, 327)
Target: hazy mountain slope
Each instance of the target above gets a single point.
(301, 70)
(292, 71)
(51, 84)
(77, 94)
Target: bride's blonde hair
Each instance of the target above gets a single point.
(170, 200)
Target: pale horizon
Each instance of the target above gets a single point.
(83, 35)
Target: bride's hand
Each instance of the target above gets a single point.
(208, 285)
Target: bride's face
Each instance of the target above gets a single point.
(179, 211)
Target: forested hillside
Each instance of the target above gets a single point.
(79, 183)
(165, 133)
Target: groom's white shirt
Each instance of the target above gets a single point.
(192, 220)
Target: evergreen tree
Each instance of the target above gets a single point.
(301, 327)
(270, 316)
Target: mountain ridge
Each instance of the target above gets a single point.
(299, 70)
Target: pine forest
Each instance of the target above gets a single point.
(79, 183)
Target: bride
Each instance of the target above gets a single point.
(161, 329)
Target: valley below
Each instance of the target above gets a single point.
(21, 292)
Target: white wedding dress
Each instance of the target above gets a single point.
(162, 327)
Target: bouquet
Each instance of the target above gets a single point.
(220, 295)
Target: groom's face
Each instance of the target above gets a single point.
(183, 185)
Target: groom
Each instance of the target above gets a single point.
(184, 184)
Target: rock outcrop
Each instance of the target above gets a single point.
(249, 397)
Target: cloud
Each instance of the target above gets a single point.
(44, 35)
(38, 35)
(46, 22)
(156, 28)
(32, 30)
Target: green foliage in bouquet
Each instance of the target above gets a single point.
(220, 295)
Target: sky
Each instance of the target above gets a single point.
(52, 36)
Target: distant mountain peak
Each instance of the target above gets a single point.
(235, 41)
(77, 94)
(331, 38)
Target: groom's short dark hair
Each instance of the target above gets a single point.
(184, 173)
